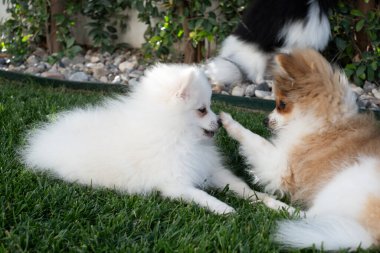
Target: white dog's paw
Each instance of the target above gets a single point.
(227, 210)
(222, 209)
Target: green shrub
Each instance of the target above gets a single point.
(23, 28)
(189, 22)
(105, 16)
(182, 30)
(30, 22)
(359, 63)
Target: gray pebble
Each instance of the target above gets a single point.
(238, 91)
(263, 94)
(250, 90)
(263, 86)
(79, 77)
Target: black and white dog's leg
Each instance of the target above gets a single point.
(237, 61)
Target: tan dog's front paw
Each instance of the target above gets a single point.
(232, 127)
(226, 119)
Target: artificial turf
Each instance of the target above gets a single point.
(41, 214)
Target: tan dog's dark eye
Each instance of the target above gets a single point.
(202, 110)
(281, 105)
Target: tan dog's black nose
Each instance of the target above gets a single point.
(266, 121)
(220, 124)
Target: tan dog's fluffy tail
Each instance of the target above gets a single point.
(334, 231)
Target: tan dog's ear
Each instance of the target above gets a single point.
(297, 64)
(303, 62)
(302, 70)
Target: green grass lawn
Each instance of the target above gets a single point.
(42, 214)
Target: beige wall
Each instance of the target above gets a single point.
(3, 14)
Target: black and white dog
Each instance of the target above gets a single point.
(267, 27)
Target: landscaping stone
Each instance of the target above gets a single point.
(117, 80)
(103, 79)
(99, 71)
(376, 93)
(54, 75)
(66, 61)
(79, 77)
(31, 70)
(32, 60)
(238, 91)
(368, 86)
(123, 67)
(40, 53)
(250, 90)
(127, 66)
(263, 94)
(3, 61)
(263, 86)
(95, 59)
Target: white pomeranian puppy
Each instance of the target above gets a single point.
(159, 138)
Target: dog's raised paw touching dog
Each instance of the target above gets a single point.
(323, 153)
(157, 138)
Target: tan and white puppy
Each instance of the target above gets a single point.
(323, 153)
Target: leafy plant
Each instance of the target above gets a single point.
(106, 16)
(30, 24)
(23, 29)
(190, 24)
(350, 27)
(182, 30)
(65, 22)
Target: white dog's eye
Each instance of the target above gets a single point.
(202, 110)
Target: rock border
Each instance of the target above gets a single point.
(125, 67)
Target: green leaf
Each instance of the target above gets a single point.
(359, 25)
(211, 15)
(374, 65)
(59, 19)
(26, 37)
(180, 33)
(356, 13)
(76, 49)
(111, 29)
(341, 44)
(370, 75)
(199, 23)
(70, 42)
(154, 39)
(360, 70)
(348, 72)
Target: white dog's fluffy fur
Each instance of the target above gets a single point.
(159, 138)
(324, 154)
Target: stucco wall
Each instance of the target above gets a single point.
(3, 13)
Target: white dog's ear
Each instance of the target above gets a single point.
(185, 81)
